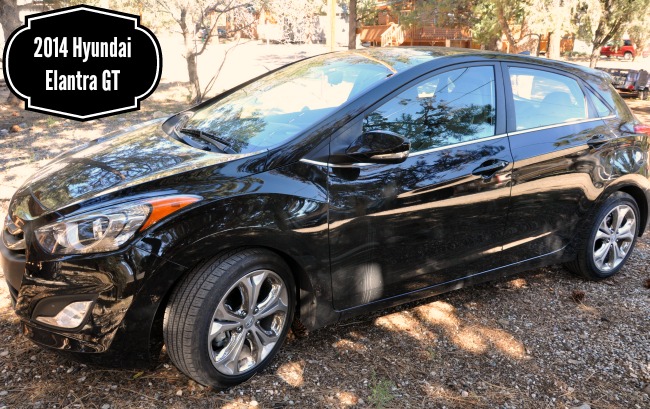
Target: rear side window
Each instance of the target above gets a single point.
(448, 108)
(544, 98)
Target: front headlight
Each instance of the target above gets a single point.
(107, 229)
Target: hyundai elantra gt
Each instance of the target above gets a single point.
(335, 185)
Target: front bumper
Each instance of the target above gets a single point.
(111, 281)
(13, 267)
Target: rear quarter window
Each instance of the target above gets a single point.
(602, 110)
(607, 92)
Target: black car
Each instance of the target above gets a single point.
(335, 185)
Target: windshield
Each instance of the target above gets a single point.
(277, 107)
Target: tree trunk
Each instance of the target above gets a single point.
(554, 45)
(603, 34)
(190, 58)
(352, 26)
(505, 27)
(595, 56)
(192, 71)
(10, 20)
(9, 17)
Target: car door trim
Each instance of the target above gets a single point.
(541, 128)
(440, 148)
(334, 165)
(456, 145)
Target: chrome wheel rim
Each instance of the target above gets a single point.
(248, 322)
(614, 237)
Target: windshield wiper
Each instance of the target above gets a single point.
(221, 144)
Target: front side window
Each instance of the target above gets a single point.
(544, 98)
(449, 108)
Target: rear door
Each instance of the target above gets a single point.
(556, 139)
(437, 217)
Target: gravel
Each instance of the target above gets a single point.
(543, 339)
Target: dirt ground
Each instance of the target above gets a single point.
(543, 339)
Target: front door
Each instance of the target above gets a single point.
(437, 217)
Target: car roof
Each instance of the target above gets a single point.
(401, 59)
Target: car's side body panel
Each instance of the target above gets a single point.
(285, 210)
(396, 229)
(562, 172)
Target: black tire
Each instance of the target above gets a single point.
(628, 56)
(644, 95)
(610, 241)
(213, 333)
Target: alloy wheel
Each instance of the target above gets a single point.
(614, 237)
(248, 322)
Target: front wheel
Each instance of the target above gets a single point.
(611, 239)
(228, 318)
(627, 56)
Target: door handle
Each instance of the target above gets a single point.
(490, 167)
(597, 140)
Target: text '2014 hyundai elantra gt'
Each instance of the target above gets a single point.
(332, 186)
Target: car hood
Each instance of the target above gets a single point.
(109, 164)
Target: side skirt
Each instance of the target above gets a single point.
(557, 256)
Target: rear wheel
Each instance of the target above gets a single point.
(611, 239)
(228, 318)
(627, 56)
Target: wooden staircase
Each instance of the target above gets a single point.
(385, 36)
(393, 36)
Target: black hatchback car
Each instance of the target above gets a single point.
(332, 186)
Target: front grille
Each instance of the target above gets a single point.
(13, 236)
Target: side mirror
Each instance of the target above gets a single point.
(379, 147)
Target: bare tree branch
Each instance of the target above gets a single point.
(212, 81)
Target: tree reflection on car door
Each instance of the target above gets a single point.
(438, 216)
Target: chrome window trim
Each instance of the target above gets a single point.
(459, 144)
(541, 128)
(440, 148)
(334, 165)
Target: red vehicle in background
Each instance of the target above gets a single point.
(627, 51)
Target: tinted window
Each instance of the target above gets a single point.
(448, 108)
(543, 98)
(602, 110)
(605, 89)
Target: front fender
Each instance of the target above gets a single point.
(285, 213)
